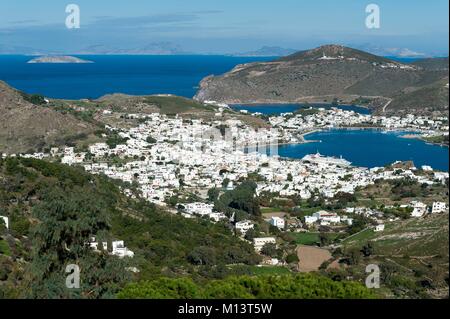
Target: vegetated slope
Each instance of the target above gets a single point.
(428, 99)
(55, 209)
(413, 255)
(26, 126)
(322, 74)
(164, 104)
(300, 286)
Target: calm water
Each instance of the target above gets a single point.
(276, 109)
(137, 75)
(370, 148)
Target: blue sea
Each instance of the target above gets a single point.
(276, 109)
(136, 75)
(180, 75)
(370, 148)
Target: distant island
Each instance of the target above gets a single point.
(59, 59)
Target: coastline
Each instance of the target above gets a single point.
(322, 99)
(421, 138)
(300, 103)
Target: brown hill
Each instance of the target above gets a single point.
(325, 73)
(26, 127)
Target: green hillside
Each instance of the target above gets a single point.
(413, 255)
(55, 209)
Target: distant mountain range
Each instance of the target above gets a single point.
(336, 72)
(155, 48)
(267, 51)
(170, 48)
(392, 51)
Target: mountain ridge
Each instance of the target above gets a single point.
(323, 74)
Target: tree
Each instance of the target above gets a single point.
(292, 258)
(359, 223)
(250, 235)
(68, 220)
(36, 99)
(202, 256)
(150, 140)
(368, 250)
(343, 199)
(354, 257)
(324, 239)
(269, 250)
(225, 182)
(299, 286)
(213, 194)
(243, 198)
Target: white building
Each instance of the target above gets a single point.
(420, 209)
(277, 222)
(6, 221)
(379, 228)
(259, 243)
(346, 219)
(244, 226)
(198, 209)
(94, 244)
(217, 216)
(439, 207)
(309, 220)
(327, 217)
(119, 249)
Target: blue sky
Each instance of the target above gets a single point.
(211, 26)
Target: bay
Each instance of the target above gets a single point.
(370, 148)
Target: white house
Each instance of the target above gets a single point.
(198, 208)
(259, 243)
(244, 226)
(348, 220)
(217, 216)
(439, 207)
(119, 249)
(327, 217)
(310, 220)
(6, 221)
(94, 244)
(420, 209)
(277, 222)
(379, 228)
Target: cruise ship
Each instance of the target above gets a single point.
(319, 158)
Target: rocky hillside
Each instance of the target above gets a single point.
(25, 126)
(329, 72)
